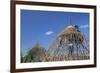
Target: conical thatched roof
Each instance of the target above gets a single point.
(37, 47)
(69, 45)
(71, 31)
(38, 52)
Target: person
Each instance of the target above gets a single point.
(77, 28)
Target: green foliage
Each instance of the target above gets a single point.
(28, 57)
(36, 54)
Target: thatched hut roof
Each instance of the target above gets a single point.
(71, 31)
(38, 52)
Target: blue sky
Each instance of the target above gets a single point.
(44, 26)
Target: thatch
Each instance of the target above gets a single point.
(38, 52)
(71, 44)
(71, 33)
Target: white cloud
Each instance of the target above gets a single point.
(49, 33)
(84, 26)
